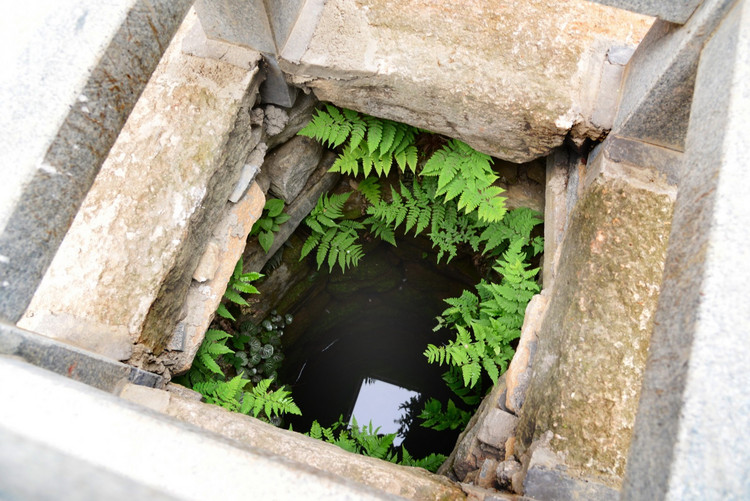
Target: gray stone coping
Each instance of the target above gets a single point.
(145, 447)
(72, 362)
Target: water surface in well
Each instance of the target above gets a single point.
(356, 345)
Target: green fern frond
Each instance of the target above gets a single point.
(223, 312)
(436, 418)
(454, 380)
(463, 171)
(336, 241)
(331, 127)
(370, 188)
(381, 230)
(370, 143)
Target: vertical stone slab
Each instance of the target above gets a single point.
(205, 293)
(243, 23)
(690, 439)
(70, 78)
(658, 88)
(129, 256)
(593, 341)
(565, 169)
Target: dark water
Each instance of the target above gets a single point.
(366, 330)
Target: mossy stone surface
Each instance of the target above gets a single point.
(594, 340)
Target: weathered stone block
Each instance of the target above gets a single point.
(229, 237)
(286, 123)
(71, 361)
(183, 392)
(152, 398)
(547, 478)
(496, 428)
(469, 453)
(196, 43)
(387, 478)
(208, 264)
(249, 171)
(487, 476)
(524, 193)
(132, 249)
(242, 23)
(71, 76)
(290, 166)
(594, 338)
(690, 439)
(658, 88)
(564, 171)
(111, 341)
(78, 421)
(504, 473)
(519, 371)
(506, 79)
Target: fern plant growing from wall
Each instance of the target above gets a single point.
(237, 394)
(270, 222)
(368, 441)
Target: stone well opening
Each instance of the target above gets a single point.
(359, 337)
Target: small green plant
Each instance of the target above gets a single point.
(239, 283)
(334, 237)
(454, 380)
(370, 189)
(258, 349)
(438, 419)
(418, 209)
(237, 394)
(269, 223)
(367, 441)
(465, 173)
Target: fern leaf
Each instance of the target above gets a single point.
(374, 134)
(223, 312)
(423, 220)
(358, 129)
(210, 364)
(471, 373)
(246, 288)
(370, 188)
(348, 161)
(311, 242)
(492, 208)
(411, 158)
(491, 368)
(217, 349)
(234, 297)
(387, 137)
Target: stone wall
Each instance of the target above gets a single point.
(129, 255)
